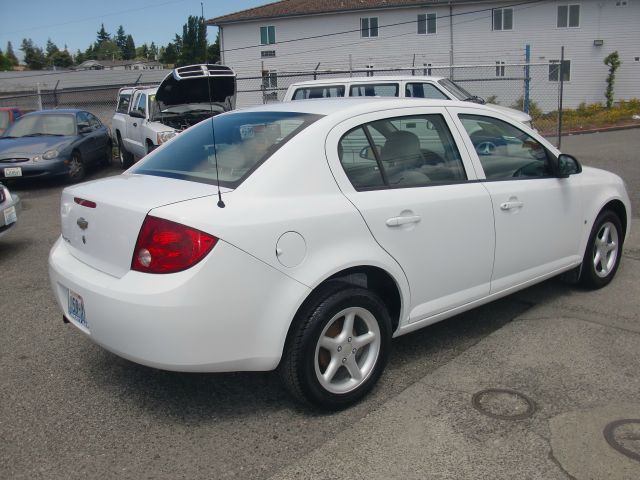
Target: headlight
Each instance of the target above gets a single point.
(165, 136)
(50, 154)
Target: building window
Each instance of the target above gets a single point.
(503, 19)
(427, 69)
(426, 23)
(568, 16)
(622, 3)
(499, 69)
(554, 70)
(369, 68)
(267, 53)
(267, 35)
(369, 27)
(269, 79)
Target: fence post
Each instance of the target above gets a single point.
(561, 88)
(315, 74)
(350, 66)
(138, 79)
(527, 79)
(413, 64)
(39, 96)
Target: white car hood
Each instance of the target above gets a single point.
(512, 112)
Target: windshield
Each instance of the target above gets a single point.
(4, 119)
(457, 91)
(242, 142)
(47, 124)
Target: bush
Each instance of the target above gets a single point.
(534, 109)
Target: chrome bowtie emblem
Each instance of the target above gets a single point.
(82, 223)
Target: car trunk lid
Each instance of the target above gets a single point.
(101, 220)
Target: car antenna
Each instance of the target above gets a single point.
(215, 149)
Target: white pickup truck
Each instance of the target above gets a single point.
(148, 116)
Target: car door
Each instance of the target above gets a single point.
(88, 142)
(135, 132)
(405, 174)
(538, 217)
(101, 135)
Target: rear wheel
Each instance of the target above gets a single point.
(338, 347)
(77, 168)
(604, 249)
(125, 158)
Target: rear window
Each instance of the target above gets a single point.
(319, 92)
(243, 141)
(374, 90)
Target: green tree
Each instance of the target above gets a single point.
(62, 59)
(79, 57)
(90, 53)
(5, 63)
(103, 36)
(613, 62)
(51, 48)
(129, 52)
(121, 39)
(213, 51)
(170, 54)
(10, 55)
(34, 57)
(108, 50)
(153, 51)
(194, 41)
(142, 52)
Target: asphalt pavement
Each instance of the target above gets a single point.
(525, 387)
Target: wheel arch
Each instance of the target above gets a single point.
(617, 207)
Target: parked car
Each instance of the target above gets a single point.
(8, 116)
(10, 206)
(438, 88)
(303, 236)
(146, 117)
(52, 143)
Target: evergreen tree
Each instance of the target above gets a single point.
(103, 36)
(79, 57)
(194, 41)
(33, 55)
(153, 51)
(108, 50)
(213, 51)
(5, 63)
(129, 52)
(51, 50)
(142, 52)
(169, 54)
(121, 39)
(62, 59)
(10, 55)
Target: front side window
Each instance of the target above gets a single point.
(141, 104)
(426, 23)
(369, 27)
(93, 121)
(267, 35)
(568, 16)
(503, 19)
(319, 92)
(243, 141)
(415, 151)
(554, 70)
(374, 90)
(505, 152)
(123, 103)
(423, 90)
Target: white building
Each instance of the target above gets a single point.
(297, 35)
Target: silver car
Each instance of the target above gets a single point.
(9, 206)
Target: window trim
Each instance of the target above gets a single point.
(568, 5)
(502, 29)
(368, 29)
(500, 69)
(426, 23)
(555, 61)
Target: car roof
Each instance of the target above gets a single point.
(56, 110)
(355, 106)
(388, 78)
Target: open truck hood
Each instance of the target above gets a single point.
(198, 85)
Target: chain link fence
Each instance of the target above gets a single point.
(523, 86)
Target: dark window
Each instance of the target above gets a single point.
(243, 141)
(568, 16)
(93, 121)
(505, 152)
(330, 91)
(426, 71)
(503, 18)
(267, 35)
(83, 120)
(426, 23)
(374, 90)
(267, 53)
(123, 103)
(554, 70)
(401, 152)
(423, 90)
(369, 27)
(500, 69)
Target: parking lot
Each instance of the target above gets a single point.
(69, 409)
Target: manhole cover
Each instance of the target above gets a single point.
(624, 436)
(503, 404)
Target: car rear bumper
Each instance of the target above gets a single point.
(216, 316)
(7, 209)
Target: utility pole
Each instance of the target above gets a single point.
(204, 33)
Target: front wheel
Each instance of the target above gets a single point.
(604, 249)
(125, 158)
(76, 168)
(338, 347)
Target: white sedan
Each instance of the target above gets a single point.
(304, 236)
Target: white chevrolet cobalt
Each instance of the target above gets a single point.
(303, 236)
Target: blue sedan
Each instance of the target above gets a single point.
(52, 143)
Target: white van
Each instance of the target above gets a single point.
(393, 86)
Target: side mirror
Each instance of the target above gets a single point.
(84, 129)
(367, 153)
(136, 113)
(568, 165)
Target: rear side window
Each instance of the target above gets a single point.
(398, 152)
(243, 141)
(123, 102)
(423, 90)
(374, 90)
(319, 92)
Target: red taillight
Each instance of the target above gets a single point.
(168, 247)
(84, 203)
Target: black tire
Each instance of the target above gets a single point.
(77, 168)
(125, 158)
(595, 274)
(303, 356)
(107, 156)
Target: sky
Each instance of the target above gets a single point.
(76, 22)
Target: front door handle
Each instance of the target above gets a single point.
(511, 204)
(398, 221)
(135, 124)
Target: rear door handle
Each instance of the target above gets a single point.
(511, 204)
(398, 221)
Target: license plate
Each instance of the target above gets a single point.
(13, 172)
(76, 309)
(10, 215)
